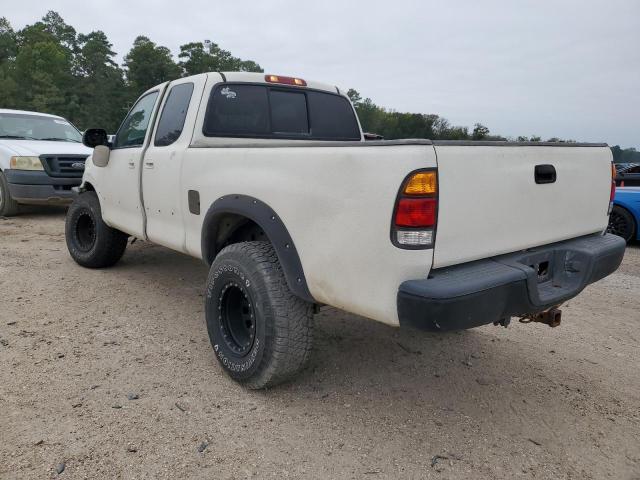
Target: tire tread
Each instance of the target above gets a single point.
(110, 243)
(290, 347)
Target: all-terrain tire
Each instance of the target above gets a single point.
(91, 242)
(261, 333)
(8, 206)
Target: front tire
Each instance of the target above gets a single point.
(261, 333)
(621, 223)
(8, 206)
(91, 242)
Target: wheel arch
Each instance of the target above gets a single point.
(87, 187)
(228, 215)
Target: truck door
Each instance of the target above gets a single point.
(119, 193)
(164, 200)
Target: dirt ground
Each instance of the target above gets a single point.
(78, 346)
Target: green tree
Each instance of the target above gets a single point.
(630, 155)
(480, 132)
(617, 153)
(8, 51)
(148, 65)
(100, 83)
(196, 57)
(355, 97)
(55, 25)
(8, 41)
(43, 67)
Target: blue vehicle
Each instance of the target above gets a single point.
(625, 216)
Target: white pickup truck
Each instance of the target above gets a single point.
(269, 180)
(41, 160)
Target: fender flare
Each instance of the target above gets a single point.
(269, 221)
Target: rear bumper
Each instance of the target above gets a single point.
(486, 291)
(36, 187)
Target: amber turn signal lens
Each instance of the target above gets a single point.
(285, 80)
(421, 183)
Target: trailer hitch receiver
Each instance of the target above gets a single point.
(551, 317)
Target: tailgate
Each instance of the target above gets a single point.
(490, 203)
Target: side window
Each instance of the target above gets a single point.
(332, 117)
(288, 112)
(134, 128)
(238, 110)
(173, 114)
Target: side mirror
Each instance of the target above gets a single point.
(100, 155)
(92, 137)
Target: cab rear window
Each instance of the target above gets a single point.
(260, 111)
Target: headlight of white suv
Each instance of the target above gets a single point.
(26, 163)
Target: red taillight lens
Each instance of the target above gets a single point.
(613, 191)
(416, 212)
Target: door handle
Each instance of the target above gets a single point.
(545, 174)
(148, 163)
(132, 164)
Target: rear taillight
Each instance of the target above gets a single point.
(415, 213)
(613, 191)
(612, 195)
(614, 173)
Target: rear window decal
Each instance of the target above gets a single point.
(227, 92)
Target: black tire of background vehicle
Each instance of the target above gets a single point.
(621, 223)
(261, 333)
(91, 242)
(8, 206)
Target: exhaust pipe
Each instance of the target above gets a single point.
(551, 317)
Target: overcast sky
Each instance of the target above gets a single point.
(551, 68)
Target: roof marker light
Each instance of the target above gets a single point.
(285, 80)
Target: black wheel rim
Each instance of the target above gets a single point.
(237, 318)
(85, 232)
(618, 225)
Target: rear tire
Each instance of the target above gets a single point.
(8, 206)
(622, 223)
(261, 333)
(91, 242)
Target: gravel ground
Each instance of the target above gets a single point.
(109, 374)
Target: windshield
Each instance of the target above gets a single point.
(36, 127)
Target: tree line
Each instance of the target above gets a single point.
(50, 67)
(393, 125)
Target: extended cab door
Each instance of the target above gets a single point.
(120, 197)
(164, 199)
